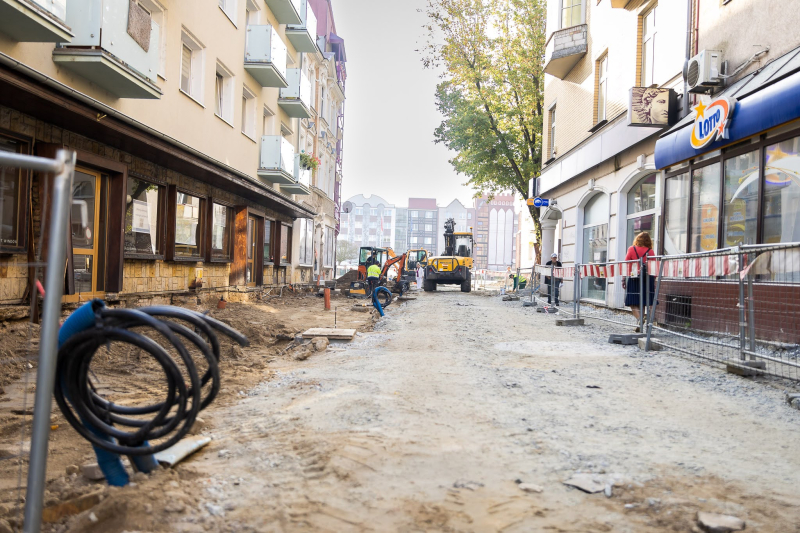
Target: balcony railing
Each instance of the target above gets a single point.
(303, 36)
(105, 51)
(295, 99)
(286, 11)
(265, 56)
(277, 163)
(35, 21)
(564, 49)
(303, 183)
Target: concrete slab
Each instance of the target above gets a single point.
(330, 333)
(654, 346)
(626, 340)
(746, 368)
(569, 322)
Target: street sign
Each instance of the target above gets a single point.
(538, 202)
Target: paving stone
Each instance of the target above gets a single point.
(719, 523)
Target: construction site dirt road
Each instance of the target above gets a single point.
(465, 413)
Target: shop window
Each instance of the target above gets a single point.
(268, 241)
(142, 218)
(286, 244)
(595, 244)
(13, 199)
(676, 210)
(642, 209)
(221, 232)
(705, 208)
(782, 192)
(740, 215)
(188, 226)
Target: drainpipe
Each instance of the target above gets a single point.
(689, 30)
(13, 64)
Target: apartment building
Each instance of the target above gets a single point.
(369, 221)
(463, 216)
(424, 224)
(613, 82)
(186, 120)
(495, 229)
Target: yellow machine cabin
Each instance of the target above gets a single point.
(455, 266)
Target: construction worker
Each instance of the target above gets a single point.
(519, 281)
(554, 284)
(371, 260)
(373, 276)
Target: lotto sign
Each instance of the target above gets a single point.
(711, 122)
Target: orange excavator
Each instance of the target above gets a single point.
(361, 288)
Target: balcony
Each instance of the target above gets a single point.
(35, 21)
(295, 100)
(277, 160)
(286, 11)
(105, 51)
(564, 49)
(265, 56)
(303, 36)
(303, 183)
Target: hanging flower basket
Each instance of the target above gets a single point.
(309, 162)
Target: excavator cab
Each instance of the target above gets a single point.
(414, 258)
(367, 255)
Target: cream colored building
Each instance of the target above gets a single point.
(599, 169)
(187, 119)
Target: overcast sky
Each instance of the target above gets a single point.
(390, 112)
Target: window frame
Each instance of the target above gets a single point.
(196, 67)
(161, 236)
(561, 13)
(272, 225)
(643, 43)
(209, 258)
(172, 202)
(758, 143)
(230, 9)
(601, 113)
(250, 104)
(224, 93)
(552, 119)
(24, 200)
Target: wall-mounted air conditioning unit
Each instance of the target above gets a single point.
(703, 74)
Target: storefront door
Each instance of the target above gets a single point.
(85, 231)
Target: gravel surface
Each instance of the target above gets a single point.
(461, 412)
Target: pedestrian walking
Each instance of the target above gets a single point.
(642, 247)
(554, 284)
(420, 272)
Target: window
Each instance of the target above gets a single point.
(414, 240)
(429, 214)
(359, 211)
(306, 247)
(602, 88)
(267, 241)
(705, 208)
(268, 122)
(648, 47)
(415, 214)
(551, 149)
(462, 216)
(428, 227)
(221, 232)
(571, 13)
(329, 247)
(676, 208)
(428, 240)
(191, 66)
(158, 16)
(373, 212)
(322, 102)
(223, 94)
(188, 226)
(740, 215)
(469, 216)
(253, 13)
(13, 199)
(781, 213)
(229, 8)
(249, 113)
(142, 224)
(595, 244)
(286, 244)
(642, 208)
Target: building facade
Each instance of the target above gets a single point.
(369, 221)
(495, 230)
(463, 217)
(424, 224)
(603, 58)
(186, 123)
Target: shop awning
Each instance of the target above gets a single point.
(766, 99)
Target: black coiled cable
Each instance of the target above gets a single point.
(102, 422)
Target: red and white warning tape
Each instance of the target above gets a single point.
(696, 267)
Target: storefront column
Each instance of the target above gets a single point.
(548, 238)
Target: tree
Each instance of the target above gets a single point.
(345, 250)
(492, 90)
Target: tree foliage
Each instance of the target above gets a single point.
(490, 52)
(346, 250)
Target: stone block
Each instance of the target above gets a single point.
(626, 340)
(569, 322)
(654, 346)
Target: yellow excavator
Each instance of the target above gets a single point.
(455, 266)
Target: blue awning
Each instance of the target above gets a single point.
(766, 99)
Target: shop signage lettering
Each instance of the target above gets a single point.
(712, 121)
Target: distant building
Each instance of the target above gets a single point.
(400, 229)
(368, 221)
(495, 245)
(423, 223)
(463, 217)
